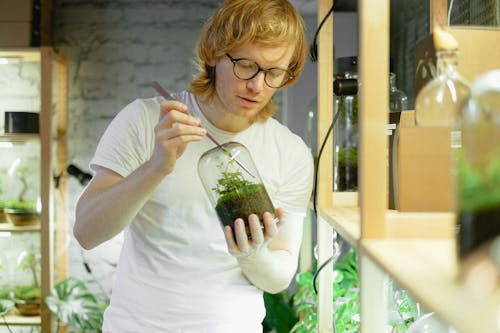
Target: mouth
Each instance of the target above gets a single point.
(247, 100)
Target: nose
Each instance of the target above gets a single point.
(257, 83)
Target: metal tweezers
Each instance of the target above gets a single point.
(169, 97)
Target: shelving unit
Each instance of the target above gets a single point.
(417, 250)
(53, 218)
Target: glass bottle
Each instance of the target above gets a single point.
(233, 184)
(438, 101)
(346, 134)
(398, 101)
(478, 165)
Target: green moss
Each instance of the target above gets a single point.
(26, 293)
(479, 190)
(21, 204)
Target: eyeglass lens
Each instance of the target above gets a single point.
(246, 69)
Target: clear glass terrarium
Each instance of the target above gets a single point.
(233, 183)
(21, 182)
(478, 165)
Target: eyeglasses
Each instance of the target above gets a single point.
(246, 69)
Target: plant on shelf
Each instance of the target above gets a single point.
(346, 301)
(4, 288)
(75, 307)
(239, 197)
(22, 211)
(27, 296)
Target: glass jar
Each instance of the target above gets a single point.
(398, 101)
(478, 165)
(346, 134)
(438, 101)
(22, 183)
(233, 184)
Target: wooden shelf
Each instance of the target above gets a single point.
(428, 270)
(53, 160)
(18, 320)
(345, 220)
(19, 137)
(5, 226)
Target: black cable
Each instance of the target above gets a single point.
(6, 323)
(315, 276)
(313, 48)
(315, 187)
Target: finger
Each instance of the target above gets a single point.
(178, 129)
(173, 117)
(231, 243)
(241, 236)
(270, 226)
(279, 215)
(167, 106)
(255, 231)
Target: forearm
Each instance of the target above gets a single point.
(269, 270)
(103, 213)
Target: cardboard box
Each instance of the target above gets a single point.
(423, 170)
(15, 34)
(479, 51)
(16, 10)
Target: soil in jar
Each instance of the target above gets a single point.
(476, 228)
(248, 199)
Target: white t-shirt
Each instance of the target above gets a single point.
(175, 273)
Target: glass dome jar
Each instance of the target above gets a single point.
(233, 184)
(478, 165)
(438, 102)
(22, 183)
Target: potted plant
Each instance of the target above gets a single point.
(22, 211)
(27, 296)
(75, 307)
(233, 184)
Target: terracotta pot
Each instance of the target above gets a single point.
(28, 308)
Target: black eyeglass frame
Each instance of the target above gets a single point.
(260, 69)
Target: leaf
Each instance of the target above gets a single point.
(75, 306)
(5, 306)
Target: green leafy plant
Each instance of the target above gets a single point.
(238, 196)
(346, 300)
(75, 306)
(280, 315)
(27, 297)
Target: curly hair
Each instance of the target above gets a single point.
(238, 22)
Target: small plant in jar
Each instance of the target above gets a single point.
(233, 184)
(27, 296)
(22, 210)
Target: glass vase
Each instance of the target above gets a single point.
(233, 184)
(345, 138)
(438, 102)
